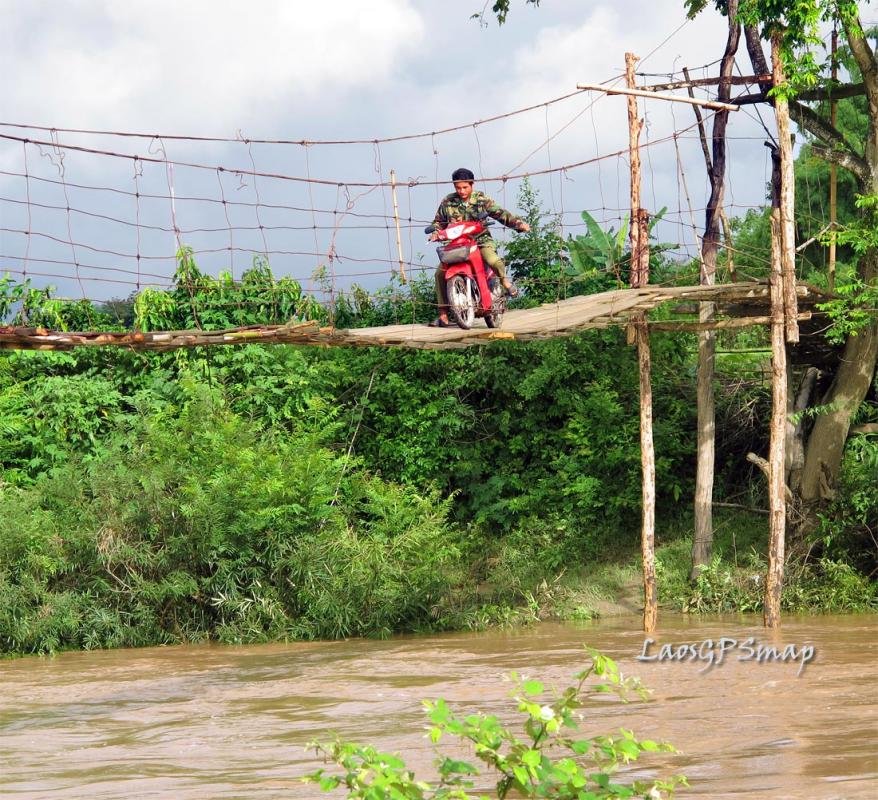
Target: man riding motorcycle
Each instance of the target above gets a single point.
(462, 205)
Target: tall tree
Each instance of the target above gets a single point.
(797, 25)
(702, 541)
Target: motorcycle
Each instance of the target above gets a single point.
(472, 288)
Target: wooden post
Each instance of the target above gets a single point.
(640, 277)
(634, 126)
(787, 196)
(396, 219)
(776, 471)
(784, 328)
(647, 538)
(833, 172)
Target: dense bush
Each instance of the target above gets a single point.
(150, 487)
(194, 523)
(849, 529)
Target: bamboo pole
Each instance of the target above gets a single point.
(596, 87)
(640, 277)
(833, 172)
(787, 196)
(396, 220)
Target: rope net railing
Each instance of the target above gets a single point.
(103, 216)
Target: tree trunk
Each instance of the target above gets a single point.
(853, 378)
(825, 447)
(826, 443)
(702, 540)
(795, 453)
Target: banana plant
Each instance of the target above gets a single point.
(602, 253)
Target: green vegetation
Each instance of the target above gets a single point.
(256, 493)
(193, 523)
(831, 580)
(553, 759)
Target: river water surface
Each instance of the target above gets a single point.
(233, 722)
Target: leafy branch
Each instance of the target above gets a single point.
(552, 759)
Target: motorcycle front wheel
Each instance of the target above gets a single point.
(461, 301)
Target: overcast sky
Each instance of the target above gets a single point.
(339, 70)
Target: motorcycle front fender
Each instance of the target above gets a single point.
(464, 268)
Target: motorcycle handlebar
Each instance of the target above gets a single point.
(483, 218)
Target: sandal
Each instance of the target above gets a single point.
(439, 323)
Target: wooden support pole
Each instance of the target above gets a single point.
(776, 460)
(647, 461)
(787, 195)
(396, 219)
(634, 126)
(640, 277)
(833, 172)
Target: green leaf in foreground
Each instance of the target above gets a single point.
(552, 759)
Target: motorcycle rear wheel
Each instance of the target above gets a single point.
(461, 301)
(498, 305)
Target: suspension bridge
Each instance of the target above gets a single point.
(741, 304)
(103, 213)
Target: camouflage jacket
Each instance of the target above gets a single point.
(452, 209)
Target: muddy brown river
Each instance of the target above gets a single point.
(232, 722)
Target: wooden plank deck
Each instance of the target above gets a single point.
(546, 321)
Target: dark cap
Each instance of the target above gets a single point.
(462, 174)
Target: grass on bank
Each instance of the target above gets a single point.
(732, 582)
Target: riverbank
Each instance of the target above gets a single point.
(76, 576)
(733, 582)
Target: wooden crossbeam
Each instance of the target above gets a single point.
(734, 80)
(692, 101)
